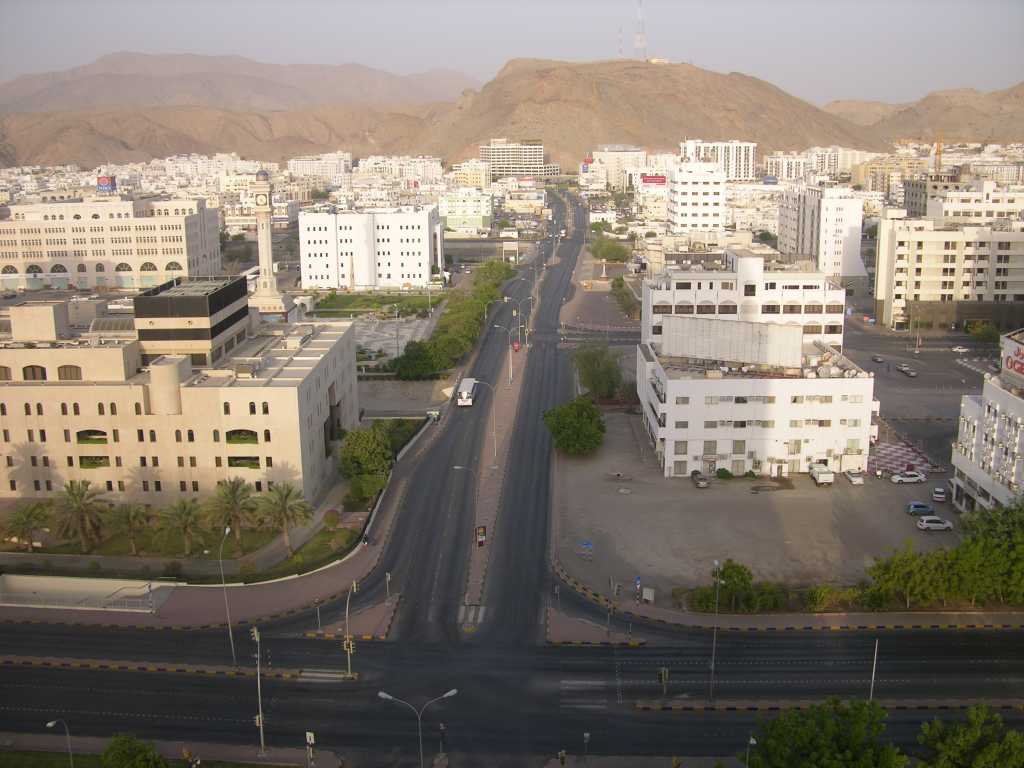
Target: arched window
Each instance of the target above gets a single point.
(227, 409)
(99, 409)
(76, 217)
(147, 266)
(122, 267)
(58, 269)
(33, 269)
(216, 435)
(113, 409)
(177, 435)
(63, 409)
(173, 266)
(252, 408)
(191, 436)
(266, 435)
(74, 409)
(5, 373)
(39, 409)
(9, 270)
(3, 409)
(81, 268)
(100, 268)
(138, 409)
(28, 409)
(95, 215)
(33, 373)
(266, 408)
(69, 373)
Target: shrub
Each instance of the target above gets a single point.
(173, 570)
(94, 568)
(331, 518)
(723, 474)
(577, 427)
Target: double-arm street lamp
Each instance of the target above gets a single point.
(418, 712)
(520, 322)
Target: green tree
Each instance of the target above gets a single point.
(599, 369)
(238, 238)
(283, 507)
(416, 362)
(736, 584)
(597, 227)
(78, 513)
(130, 519)
(365, 452)
(830, 735)
(900, 575)
(981, 742)
(183, 517)
(25, 521)
(232, 505)
(985, 333)
(576, 427)
(767, 238)
(126, 751)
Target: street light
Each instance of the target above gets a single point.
(224, 586)
(348, 646)
(494, 427)
(519, 324)
(714, 638)
(751, 742)
(509, 332)
(67, 734)
(418, 712)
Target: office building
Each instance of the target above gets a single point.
(823, 224)
(937, 275)
(978, 202)
(736, 159)
(472, 173)
(466, 209)
(786, 167)
(372, 249)
(517, 158)
(192, 390)
(919, 190)
(329, 168)
(108, 242)
(616, 159)
(696, 197)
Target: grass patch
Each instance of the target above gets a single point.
(324, 547)
(407, 303)
(152, 543)
(60, 760)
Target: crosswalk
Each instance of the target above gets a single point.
(980, 365)
(588, 695)
(471, 616)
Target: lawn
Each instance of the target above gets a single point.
(325, 546)
(407, 303)
(60, 760)
(152, 543)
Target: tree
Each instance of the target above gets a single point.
(126, 751)
(365, 452)
(981, 742)
(416, 362)
(577, 427)
(986, 333)
(833, 735)
(736, 583)
(597, 227)
(767, 238)
(184, 517)
(232, 505)
(283, 506)
(130, 519)
(25, 521)
(78, 511)
(599, 369)
(238, 238)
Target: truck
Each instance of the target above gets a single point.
(821, 474)
(467, 389)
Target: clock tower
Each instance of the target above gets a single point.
(270, 302)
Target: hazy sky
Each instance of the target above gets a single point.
(816, 49)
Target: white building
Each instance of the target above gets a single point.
(823, 223)
(696, 197)
(754, 397)
(370, 250)
(517, 158)
(988, 454)
(736, 159)
(330, 168)
(616, 158)
(467, 209)
(741, 285)
(786, 167)
(982, 202)
(108, 242)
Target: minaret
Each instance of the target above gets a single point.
(267, 299)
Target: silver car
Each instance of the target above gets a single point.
(932, 523)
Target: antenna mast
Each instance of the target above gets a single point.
(640, 42)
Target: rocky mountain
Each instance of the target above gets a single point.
(231, 82)
(959, 115)
(864, 113)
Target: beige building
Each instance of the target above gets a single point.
(980, 202)
(918, 191)
(887, 174)
(108, 242)
(192, 390)
(472, 173)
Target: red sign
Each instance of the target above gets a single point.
(659, 179)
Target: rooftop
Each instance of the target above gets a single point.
(819, 361)
(194, 287)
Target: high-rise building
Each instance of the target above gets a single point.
(466, 209)
(917, 191)
(824, 224)
(786, 167)
(517, 158)
(329, 168)
(696, 197)
(370, 249)
(616, 158)
(737, 159)
(980, 202)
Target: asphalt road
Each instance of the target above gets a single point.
(517, 697)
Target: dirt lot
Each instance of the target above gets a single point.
(668, 532)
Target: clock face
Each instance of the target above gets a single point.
(261, 199)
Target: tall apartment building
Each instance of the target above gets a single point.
(328, 168)
(918, 191)
(1001, 172)
(472, 173)
(979, 202)
(517, 158)
(741, 285)
(933, 274)
(786, 167)
(108, 242)
(823, 223)
(988, 453)
(887, 174)
(466, 209)
(370, 250)
(616, 158)
(696, 197)
(736, 159)
(752, 396)
(192, 390)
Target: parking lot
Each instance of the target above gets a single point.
(668, 532)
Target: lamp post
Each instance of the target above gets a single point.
(418, 712)
(509, 332)
(488, 306)
(348, 646)
(714, 637)
(67, 734)
(224, 586)
(254, 632)
(751, 742)
(520, 323)
(494, 427)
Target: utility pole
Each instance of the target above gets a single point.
(254, 632)
(663, 679)
(349, 645)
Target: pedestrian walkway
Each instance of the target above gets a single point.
(898, 457)
(982, 365)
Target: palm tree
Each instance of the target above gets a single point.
(283, 506)
(79, 513)
(184, 517)
(130, 519)
(25, 521)
(232, 505)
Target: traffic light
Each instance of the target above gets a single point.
(254, 633)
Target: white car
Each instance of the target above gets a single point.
(940, 494)
(855, 478)
(960, 350)
(908, 477)
(902, 367)
(931, 523)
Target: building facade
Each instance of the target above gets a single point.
(108, 242)
(823, 223)
(616, 158)
(696, 197)
(467, 209)
(980, 202)
(736, 159)
(472, 173)
(786, 167)
(370, 250)
(516, 158)
(919, 190)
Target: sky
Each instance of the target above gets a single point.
(817, 50)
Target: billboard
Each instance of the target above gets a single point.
(652, 178)
(1013, 361)
(106, 184)
(733, 341)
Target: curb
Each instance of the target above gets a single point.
(141, 667)
(783, 706)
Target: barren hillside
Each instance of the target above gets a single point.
(865, 113)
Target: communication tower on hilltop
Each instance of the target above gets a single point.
(640, 41)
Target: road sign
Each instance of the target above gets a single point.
(310, 740)
(636, 582)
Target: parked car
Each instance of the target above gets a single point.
(919, 508)
(821, 474)
(902, 367)
(940, 494)
(910, 372)
(855, 478)
(908, 477)
(932, 523)
(960, 350)
(699, 479)
(878, 358)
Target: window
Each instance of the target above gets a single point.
(145, 485)
(682, 400)
(99, 409)
(113, 409)
(74, 409)
(192, 461)
(217, 461)
(266, 409)
(252, 408)
(710, 424)
(216, 435)
(195, 486)
(727, 309)
(138, 409)
(177, 435)
(181, 462)
(227, 409)
(710, 447)
(69, 373)
(191, 436)
(152, 435)
(28, 409)
(739, 447)
(266, 435)
(33, 373)
(5, 373)
(680, 447)
(63, 409)
(140, 435)
(749, 289)
(270, 461)
(770, 309)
